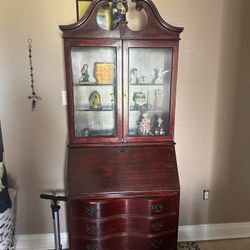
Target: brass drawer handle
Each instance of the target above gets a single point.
(156, 244)
(122, 150)
(157, 208)
(90, 229)
(91, 211)
(157, 226)
(91, 247)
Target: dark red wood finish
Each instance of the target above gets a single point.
(87, 32)
(123, 192)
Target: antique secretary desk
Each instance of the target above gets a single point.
(123, 186)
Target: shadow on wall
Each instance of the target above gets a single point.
(230, 201)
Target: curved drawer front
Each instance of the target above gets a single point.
(123, 224)
(98, 228)
(125, 242)
(153, 206)
(152, 226)
(132, 206)
(97, 209)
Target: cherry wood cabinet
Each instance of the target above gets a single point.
(122, 186)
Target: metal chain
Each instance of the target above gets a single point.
(34, 98)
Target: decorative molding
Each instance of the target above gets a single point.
(39, 241)
(214, 231)
(186, 233)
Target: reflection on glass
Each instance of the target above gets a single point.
(94, 81)
(150, 72)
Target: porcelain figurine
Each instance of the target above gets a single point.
(159, 76)
(144, 126)
(159, 129)
(85, 74)
(140, 100)
(133, 76)
(143, 79)
(120, 8)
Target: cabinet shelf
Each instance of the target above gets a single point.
(93, 84)
(87, 109)
(149, 109)
(146, 84)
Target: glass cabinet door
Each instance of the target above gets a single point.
(149, 87)
(93, 71)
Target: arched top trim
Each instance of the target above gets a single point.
(156, 27)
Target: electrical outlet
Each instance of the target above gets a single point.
(205, 194)
(64, 97)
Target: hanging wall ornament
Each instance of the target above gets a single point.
(34, 97)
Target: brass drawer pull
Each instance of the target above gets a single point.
(91, 247)
(157, 208)
(157, 226)
(90, 229)
(156, 244)
(122, 150)
(91, 211)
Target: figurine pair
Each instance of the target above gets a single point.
(158, 76)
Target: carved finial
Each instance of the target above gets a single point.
(138, 5)
(105, 5)
(119, 8)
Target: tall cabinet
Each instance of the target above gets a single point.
(123, 187)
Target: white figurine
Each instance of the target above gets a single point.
(133, 76)
(144, 125)
(159, 130)
(159, 75)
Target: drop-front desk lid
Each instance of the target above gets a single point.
(122, 170)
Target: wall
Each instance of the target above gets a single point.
(212, 117)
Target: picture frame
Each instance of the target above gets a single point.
(104, 17)
(81, 8)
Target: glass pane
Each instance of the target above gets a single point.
(150, 72)
(94, 84)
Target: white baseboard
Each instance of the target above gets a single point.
(39, 241)
(186, 233)
(214, 231)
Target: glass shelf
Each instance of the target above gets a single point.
(104, 109)
(150, 74)
(95, 91)
(147, 84)
(94, 84)
(144, 110)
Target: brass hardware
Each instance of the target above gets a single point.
(157, 226)
(91, 211)
(157, 208)
(122, 150)
(90, 229)
(156, 244)
(91, 247)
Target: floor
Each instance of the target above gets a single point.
(231, 244)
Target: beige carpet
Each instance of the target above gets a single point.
(232, 244)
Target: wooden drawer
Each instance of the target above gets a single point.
(126, 242)
(153, 206)
(124, 224)
(133, 206)
(97, 208)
